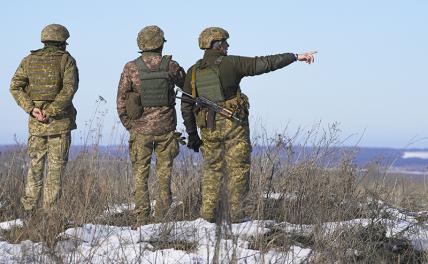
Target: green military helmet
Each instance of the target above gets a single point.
(55, 32)
(211, 34)
(150, 38)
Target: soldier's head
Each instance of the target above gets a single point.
(55, 34)
(214, 38)
(151, 38)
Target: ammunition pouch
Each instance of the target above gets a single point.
(201, 117)
(134, 109)
(240, 106)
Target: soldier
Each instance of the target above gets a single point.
(146, 107)
(225, 141)
(44, 85)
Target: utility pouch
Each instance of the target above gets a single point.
(211, 119)
(134, 109)
(239, 106)
(201, 118)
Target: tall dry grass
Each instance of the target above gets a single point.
(303, 179)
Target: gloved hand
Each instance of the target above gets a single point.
(194, 141)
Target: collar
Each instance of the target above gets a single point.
(209, 53)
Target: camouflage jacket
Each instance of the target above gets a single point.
(154, 120)
(231, 70)
(61, 112)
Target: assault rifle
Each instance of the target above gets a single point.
(204, 102)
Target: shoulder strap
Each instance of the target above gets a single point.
(193, 82)
(218, 60)
(63, 62)
(141, 65)
(164, 65)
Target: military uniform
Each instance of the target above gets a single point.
(47, 79)
(146, 107)
(226, 142)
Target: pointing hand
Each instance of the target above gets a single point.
(308, 57)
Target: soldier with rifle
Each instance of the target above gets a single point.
(226, 141)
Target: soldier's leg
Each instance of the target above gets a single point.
(238, 163)
(37, 153)
(140, 151)
(57, 153)
(166, 148)
(212, 152)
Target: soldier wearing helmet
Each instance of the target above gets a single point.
(43, 86)
(146, 107)
(225, 142)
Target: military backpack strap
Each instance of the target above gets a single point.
(63, 62)
(218, 60)
(164, 65)
(193, 82)
(141, 66)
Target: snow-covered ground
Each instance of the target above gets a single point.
(92, 243)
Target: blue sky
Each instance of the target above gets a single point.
(370, 73)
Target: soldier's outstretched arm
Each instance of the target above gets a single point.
(70, 85)
(250, 66)
(17, 88)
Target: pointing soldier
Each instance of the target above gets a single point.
(44, 85)
(146, 107)
(226, 142)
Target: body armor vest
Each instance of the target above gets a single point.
(155, 85)
(208, 83)
(45, 74)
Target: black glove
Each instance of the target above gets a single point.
(194, 142)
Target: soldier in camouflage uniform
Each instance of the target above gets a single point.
(44, 85)
(146, 107)
(226, 142)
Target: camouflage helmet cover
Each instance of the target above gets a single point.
(55, 32)
(211, 34)
(150, 38)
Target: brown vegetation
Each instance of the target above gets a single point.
(313, 187)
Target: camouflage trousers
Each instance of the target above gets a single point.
(226, 151)
(54, 149)
(141, 147)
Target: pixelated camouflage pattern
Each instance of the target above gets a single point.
(55, 32)
(141, 148)
(227, 147)
(211, 34)
(154, 120)
(61, 112)
(54, 150)
(150, 38)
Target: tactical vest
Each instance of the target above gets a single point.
(155, 85)
(207, 81)
(45, 72)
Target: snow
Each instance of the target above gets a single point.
(415, 154)
(9, 224)
(157, 243)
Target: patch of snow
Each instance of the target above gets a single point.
(285, 196)
(9, 224)
(415, 154)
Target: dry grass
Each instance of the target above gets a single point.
(315, 185)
